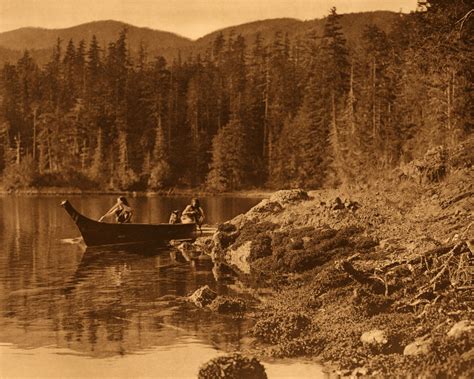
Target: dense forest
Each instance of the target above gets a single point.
(314, 111)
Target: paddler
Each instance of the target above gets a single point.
(122, 211)
(193, 213)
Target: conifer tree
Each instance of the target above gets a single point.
(160, 174)
(229, 167)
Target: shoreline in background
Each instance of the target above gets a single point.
(53, 191)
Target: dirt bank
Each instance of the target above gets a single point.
(375, 281)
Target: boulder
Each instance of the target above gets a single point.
(222, 240)
(204, 245)
(461, 328)
(178, 257)
(420, 346)
(374, 337)
(224, 304)
(222, 271)
(238, 257)
(233, 366)
(203, 296)
(189, 250)
(266, 206)
(227, 227)
(289, 196)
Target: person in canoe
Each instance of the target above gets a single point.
(175, 217)
(121, 210)
(193, 213)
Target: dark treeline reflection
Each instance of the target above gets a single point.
(101, 302)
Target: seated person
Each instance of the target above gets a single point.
(175, 217)
(122, 211)
(193, 213)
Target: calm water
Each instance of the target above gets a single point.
(65, 312)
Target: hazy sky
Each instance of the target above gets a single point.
(190, 18)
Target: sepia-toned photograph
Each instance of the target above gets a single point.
(236, 189)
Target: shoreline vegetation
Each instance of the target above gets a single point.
(193, 192)
(369, 282)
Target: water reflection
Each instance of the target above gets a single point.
(101, 302)
(60, 300)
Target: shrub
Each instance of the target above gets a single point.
(159, 176)
(21, 175)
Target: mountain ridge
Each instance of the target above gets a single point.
(40, 41)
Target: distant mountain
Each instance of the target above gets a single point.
(40, 41)
(353, 25)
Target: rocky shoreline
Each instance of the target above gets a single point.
(373, 282)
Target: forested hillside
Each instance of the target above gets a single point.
(40, 41)
(310, 109)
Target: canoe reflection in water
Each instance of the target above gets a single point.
(112, 264)
(126, 299)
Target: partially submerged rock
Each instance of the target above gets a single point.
(233, 366)
(203, 296)
(222, 271)
(189, 250)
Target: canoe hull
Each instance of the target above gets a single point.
(96, 233)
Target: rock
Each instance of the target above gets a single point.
(220, 242)
(468, 355)
(374, 337)
(189, 250)
(289, 196)
(227, 227)
(338, 204)
(233, 366)
(204, 245)
(224, 304)
(203, 296)
(360, 371)
(460, 328)
(266, 206)
(353, 206)
(222, 271)
(420, 346)
(223, 240)
(389, 242)
(238, 257)
(277, 328)
(178, 257)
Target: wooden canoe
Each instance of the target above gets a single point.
(95, 233)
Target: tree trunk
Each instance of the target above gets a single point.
(34, 133)
(266, 133)
(374, 97)
(18, 149)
